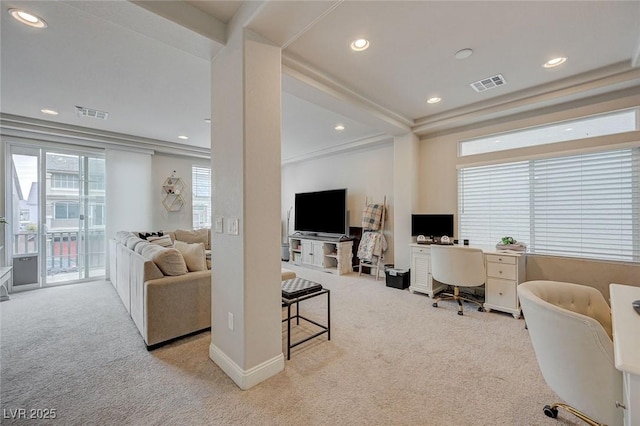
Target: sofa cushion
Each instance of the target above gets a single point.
(121, 236)
(140, 246)
(164, 241)
(193, 254)
(287, 274)
(170, 261)
(197, 236)
(132, 241)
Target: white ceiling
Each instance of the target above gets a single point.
(152, 75)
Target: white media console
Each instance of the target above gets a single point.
(327, 253)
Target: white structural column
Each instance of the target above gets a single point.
(246, 323)
(405, 184)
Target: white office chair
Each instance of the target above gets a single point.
(570, 329)
(458, 267)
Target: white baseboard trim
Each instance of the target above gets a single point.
(246, 379)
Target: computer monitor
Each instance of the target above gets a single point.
(435, 225)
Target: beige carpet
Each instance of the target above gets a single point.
(393, 360)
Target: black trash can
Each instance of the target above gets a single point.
(397, 278)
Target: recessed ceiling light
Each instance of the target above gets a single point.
(28, 18)
(555, 62)
(463, 54)
(183, 137)
(360, 44)
(434, 100)
(48, 111)
(207, 120)
(339, 127)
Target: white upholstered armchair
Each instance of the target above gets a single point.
(570, 329)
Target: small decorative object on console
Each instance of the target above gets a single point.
(510, 243)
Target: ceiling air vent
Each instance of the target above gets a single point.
(91, 113)
(488, 83)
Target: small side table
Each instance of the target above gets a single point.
(295, 291)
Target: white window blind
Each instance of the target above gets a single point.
(494, 202)
(583, 205)
(201, 202)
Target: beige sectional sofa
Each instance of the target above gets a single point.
(165, 298)
(163, 283)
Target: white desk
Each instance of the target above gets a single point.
(504, 272)
(626, 347)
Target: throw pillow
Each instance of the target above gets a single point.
(149, 250)
(164, 241)
(146, 235)
(193, 254)
(170, 262)
(197, 236)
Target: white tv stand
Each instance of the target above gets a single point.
(330, 254)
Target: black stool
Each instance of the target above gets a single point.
(294, 291)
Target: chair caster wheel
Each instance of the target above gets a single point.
(460, 313)
(550, 412)
(481, 309)
(435, 305)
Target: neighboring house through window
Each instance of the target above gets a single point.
(66, 210)
(65, 181)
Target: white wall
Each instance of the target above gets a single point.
(437, 191)
(129, 191)
(163, 166)
(366, 172)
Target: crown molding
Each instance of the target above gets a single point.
(297, 69)
(599, 104)
(48, 131)
(615, 77)
(337, 149)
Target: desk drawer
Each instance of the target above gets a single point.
(501, 293)
(496, 258)
(420, 250)
(499, 270)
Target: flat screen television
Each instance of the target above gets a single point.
(322, 212)
(435, 225)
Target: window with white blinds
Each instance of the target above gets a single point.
(581, 206)
(201, 201)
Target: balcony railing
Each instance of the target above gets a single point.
(64, 249)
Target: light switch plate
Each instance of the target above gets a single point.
(219, 225)
(232, 226)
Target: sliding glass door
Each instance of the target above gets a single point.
(62, 219)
